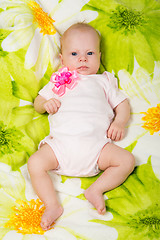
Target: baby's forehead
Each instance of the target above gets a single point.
(72, 31)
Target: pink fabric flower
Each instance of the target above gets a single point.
(62, 79)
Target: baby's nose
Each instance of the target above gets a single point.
(83, 58)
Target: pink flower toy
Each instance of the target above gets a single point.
(62, 79)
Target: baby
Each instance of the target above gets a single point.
(86, 112)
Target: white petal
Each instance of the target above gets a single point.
(74, 209)
(5, 167)
(43, 58)
(7, 18)
(87, 15)
(54, 52)
(84, 16)
(133, 133)
(34, 237)
(17, 39)
(72, 186)
(48, 5)
(147, 146)
(55, 39)
(33, 50)
(13, 235)
(23, 20)
(5, 4)
(47, 51)
(57, 232)
(13, 184)
(156, 71)
(132, 86)
(66, 9)
(25, 103)
(144, 93)
(29, 192)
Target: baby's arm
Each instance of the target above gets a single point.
(50, 106)
(116, 130)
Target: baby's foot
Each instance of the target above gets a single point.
(50, 215)
(96, 199)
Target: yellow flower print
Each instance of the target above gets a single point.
(36, 26)
(21, 210)
(152, 119)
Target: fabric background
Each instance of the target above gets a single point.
(29, 48)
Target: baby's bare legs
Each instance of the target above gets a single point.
(38, 165)
(117, 164)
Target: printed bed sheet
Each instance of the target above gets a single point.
(29, 49)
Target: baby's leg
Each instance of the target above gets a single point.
(38, 164)
(117, 164)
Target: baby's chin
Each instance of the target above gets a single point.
(83, 70)
(86, 71)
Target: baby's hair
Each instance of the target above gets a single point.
(79, 26)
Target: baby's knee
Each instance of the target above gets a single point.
(32, 164)
(130, 162)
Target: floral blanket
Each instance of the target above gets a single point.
(29, 49)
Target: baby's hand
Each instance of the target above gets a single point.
(52, 105)
(116, 131)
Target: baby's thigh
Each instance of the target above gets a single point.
(43, 159)
(113, 155)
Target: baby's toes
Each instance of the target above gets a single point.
(45, 225)
(102, 211)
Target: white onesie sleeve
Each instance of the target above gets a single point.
(114, 94)
(47, 92)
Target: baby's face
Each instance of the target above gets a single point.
(80, 51)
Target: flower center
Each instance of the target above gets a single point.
(26, 217)
(9, 139)
(45, 23)
(150, 221)
(152, 119)
(147, 221)
(126, 20)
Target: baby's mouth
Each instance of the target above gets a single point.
(82, 68)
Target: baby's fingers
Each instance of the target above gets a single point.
(114, 135)
(57, 102)
(49, 108)
(109, 132)
(117, 136)
(52, 106)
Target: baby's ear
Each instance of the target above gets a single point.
(61, 59)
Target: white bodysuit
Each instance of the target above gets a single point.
(78, 130)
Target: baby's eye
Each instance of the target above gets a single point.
(74, 53)
(90, 53)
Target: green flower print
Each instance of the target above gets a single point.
(9, 139)
(135, 206)
(129, 29)
(18, 88)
